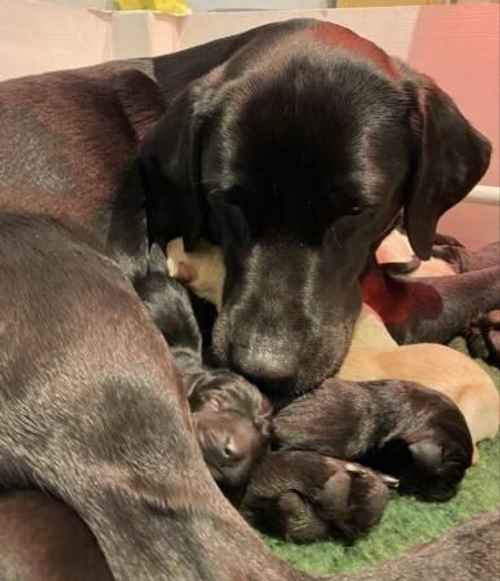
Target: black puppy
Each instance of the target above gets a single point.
(409, 306)
(92, 410)
(401, 428)
(231, 416)
(305, 496)
(464, 260)
(231, 420)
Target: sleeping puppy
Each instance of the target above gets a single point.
(231, 416)
(374, 354)
(232, 420)
(300, 496)
(409, 293)
(232, 423)
(398, 427)
(306, 496)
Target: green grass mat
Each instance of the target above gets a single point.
(407, 522)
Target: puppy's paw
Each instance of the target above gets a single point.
(298, 520)
(353, 499)
(305, 496)
(433, 466)
(483, 337)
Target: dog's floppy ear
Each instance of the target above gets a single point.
(450, 157)
(169, 161)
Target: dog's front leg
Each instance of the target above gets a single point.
(123, 455)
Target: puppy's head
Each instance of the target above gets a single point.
(295, 156)
(232, 423)
(230, 443)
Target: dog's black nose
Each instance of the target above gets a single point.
(261, 365)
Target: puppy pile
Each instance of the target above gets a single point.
(324, 464)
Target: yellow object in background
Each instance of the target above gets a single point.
(371, 3)
(177, 7)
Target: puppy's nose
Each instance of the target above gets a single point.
(260, 365)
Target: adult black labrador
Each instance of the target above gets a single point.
(296, 154)
(294, 145)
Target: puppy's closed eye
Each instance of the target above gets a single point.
(230, 450)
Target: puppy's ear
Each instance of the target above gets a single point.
(450, 157)
(170, 167)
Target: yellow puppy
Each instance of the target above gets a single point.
(202, 271)
(373, 353)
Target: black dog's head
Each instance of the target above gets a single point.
(295, 154)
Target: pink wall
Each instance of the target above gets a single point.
(456, 44)
(460, 48)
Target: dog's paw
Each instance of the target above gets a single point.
(305, 496)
